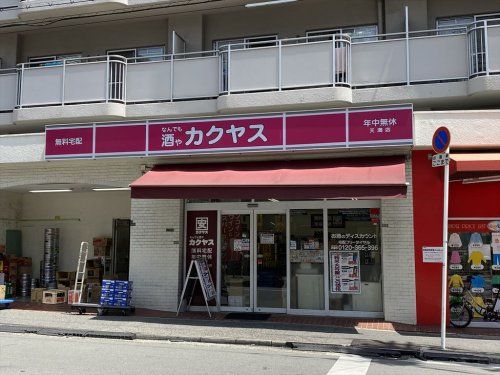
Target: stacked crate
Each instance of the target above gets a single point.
(116, 293)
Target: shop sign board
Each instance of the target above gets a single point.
(432, 254)
(201, 241)
(345, 277)
(281, 132)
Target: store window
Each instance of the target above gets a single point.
(354, 260)
(473, 262)
(306, 260)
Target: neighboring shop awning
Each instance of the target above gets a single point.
(382, 177)
(473, 166)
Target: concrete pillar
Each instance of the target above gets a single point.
(395, 11)
(398, 257)
(156, 252)
(190, 28)
(10, 212)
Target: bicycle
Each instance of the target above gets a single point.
(462, 309)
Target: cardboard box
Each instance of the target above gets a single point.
(94, 273)
(3, 291)
(73, 296)
(37, 295)
(93, 293)
(54, 296)
(102, 251)
(94, 263)
(101, 242)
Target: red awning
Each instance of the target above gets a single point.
(382, 177)
(464, 166)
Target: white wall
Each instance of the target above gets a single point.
(398, 257)
(95, 210)
(94, 40)
(10, 211)
(155, 254)
(290, 20)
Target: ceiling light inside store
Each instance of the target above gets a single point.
(52, 191)
(266, 3)
(273, 200)
(112, 189)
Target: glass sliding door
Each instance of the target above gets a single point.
(236, 256)
(354, 256)
(307, 259)
(270, 257)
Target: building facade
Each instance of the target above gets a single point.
(287, 144)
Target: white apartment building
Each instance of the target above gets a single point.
(286, 142)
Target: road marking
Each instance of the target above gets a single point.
(350, 365)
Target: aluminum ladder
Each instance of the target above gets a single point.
(80, 270)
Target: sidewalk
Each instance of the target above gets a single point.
(301, 332)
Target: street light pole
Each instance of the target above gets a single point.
(444, 275)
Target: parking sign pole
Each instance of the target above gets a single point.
(444, 276)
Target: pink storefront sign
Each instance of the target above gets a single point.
(126, 139)
(232, 134)
(61, 142)
(374, 126)
(290, 131)
(316, 129)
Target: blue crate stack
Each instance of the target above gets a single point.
(116, 293)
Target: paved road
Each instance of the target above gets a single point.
(34, 354)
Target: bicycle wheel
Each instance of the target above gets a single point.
(460, 315)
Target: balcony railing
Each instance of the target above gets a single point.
(8, 89)
(286, 64)
(326, 61)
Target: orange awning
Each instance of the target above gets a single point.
(382, 177)
(463, 166)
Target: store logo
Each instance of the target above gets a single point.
(202, 225)
(494, 226)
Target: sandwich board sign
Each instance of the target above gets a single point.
(202, 275)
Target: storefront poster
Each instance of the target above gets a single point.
(432, 254)
(241, 244)
(391, 125)
(267, 238)
(474, 257)
(354, 242)
(345, 275)
(306, 256)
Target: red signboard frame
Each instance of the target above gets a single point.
(288, 131)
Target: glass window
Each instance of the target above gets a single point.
(455, 25)
(54, 60)
(361, 33)
(142, 54)
(473, 263)
(240, 43)
(151, 53)
(354, 260)
(306, 260)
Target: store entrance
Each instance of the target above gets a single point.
(253, 261)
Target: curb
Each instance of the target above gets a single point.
(422, 353)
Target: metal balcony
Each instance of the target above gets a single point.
(413, 58)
